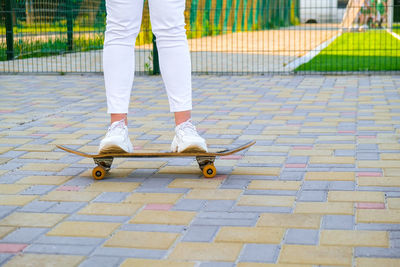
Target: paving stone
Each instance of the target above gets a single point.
(59, 249)
(84, 229)
(250, 235)
(355, 238)
(163, 217)
(260, 253)
(376, 252)
(31, 219)
(65, 207)
(38, 260)
(277, 201)
(24, 235)
(111, 197)
(302, 236)
(214, 194)
(340, 208)
(344, 222)
(192, 251)
(144, 198)
(200, 234)
(155, 263)
(190, 204)
(378, 216)
(307, 221)
(371, 262)
(312, 196)
(101, 262)
(112, 187)
(153, 228)
(142, 240)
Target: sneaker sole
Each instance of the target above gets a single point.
(108, 149)
(193, 149)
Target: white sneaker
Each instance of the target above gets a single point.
(116, 139)
(187, 139)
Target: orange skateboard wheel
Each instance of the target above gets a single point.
(98, 173)
(209, 171)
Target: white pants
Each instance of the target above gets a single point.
(123, 25)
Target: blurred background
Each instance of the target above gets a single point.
(225, 36)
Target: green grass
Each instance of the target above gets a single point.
(364, 51)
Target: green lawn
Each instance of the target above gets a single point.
(364, 51)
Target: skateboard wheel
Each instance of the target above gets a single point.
(209, 171)
(98, 173)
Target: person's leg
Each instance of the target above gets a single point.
(123, 25)
(168, 24)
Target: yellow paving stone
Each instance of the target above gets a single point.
(355, 196)
(268, 171)
(199, 251)
(335, 146)
(377, 262)
(31, 219)
(98, 186)
(180, 170)
(289, 220)
(330, 176)
(393, 203)
(16, 200)
(284, 140)
(64, 136)
(142, 164)
(331, 160)
(263, 159)
(317, 255)
(158, 198)
(257, 148)
(387, 156)
(43, 155)
(379, 181)
(36, 147)
(44, 260)
(4, 149)
(395, 172)
(378, 164)
(4, 160)
(5, 230)
(377, 216)
(142, 240)
(131, 262)
(84, 229)
(256, 264)
(195, 183)
(114, 209)
(250, 235)
(275, 201)
(311, 152)
(44, 180)
(342, 208)
(47, 167)
(69, 196)
(164, 217)
(3, 172)
(14, 141)
(9, 189)
(214, 194)
(354, 238)
(274, 185)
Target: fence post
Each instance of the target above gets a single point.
(9, 30)
(70, 26)
(390, 7)
(156, 66)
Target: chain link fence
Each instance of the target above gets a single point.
(225, 36)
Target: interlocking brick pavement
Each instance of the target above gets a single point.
(321, 187)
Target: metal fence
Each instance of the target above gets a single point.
(225, 36)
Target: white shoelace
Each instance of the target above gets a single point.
(187, 128)
(116, 128)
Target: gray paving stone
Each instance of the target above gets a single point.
(223, 222)
(100, 261)
(24, 235)
(37, 206)
(38, 190)
(377, 252)
(259, 253)
(98, 218)
(312, 196)
(271, 192)
(111, 197)
(219, 205)
(189, 205)
(63, 240)
(129, 252)
(6, 210)
(342, 222)
(342, 185)
(4, 257)
(301, 236)
(262, 209)
(315, 185)
(216, 264)
(378, 226)
(59, 249)
(200, 234)
(66, 207)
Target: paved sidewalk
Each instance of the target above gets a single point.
(321, 187)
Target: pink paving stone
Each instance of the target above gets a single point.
(369, 174)
(12, 248)
(69, 188)
(231, 157)
(137, 148)
(5, 111)
(158, 206)
(60, 125)
(220, 177)
(302, 147)
(37, 134)
(295, 165)
(368, 205)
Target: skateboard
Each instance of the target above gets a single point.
(204, 159)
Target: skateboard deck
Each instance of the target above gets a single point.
(204, 159)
